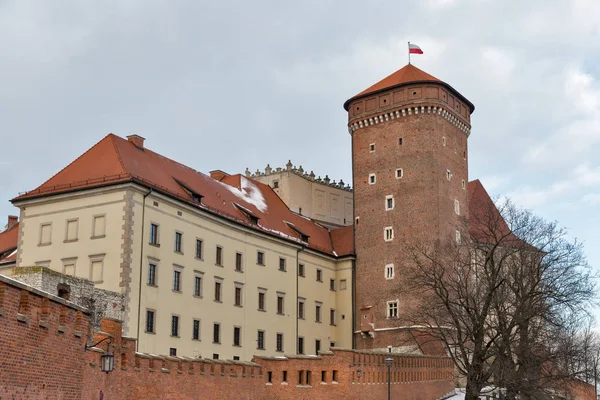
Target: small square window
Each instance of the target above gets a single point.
(388, 234)
(372, 147)
(399, 173)
(173, 352)
(389, 203)
(275, 184)
(372, 179)
(389, 271)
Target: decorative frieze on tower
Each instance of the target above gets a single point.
(410, 171)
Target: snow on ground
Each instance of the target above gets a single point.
(458, 396)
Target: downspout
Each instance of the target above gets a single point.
(297, 294)
(137, 345)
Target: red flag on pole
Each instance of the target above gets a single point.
(414, 49)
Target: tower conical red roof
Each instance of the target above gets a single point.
(405, 75)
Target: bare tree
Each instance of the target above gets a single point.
(501, 298)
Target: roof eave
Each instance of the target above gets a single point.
(456, 92)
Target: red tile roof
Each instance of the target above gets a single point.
(8, 244)
(405, 75)
(235, 197)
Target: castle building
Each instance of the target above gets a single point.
(270, 263)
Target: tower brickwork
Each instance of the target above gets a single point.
(410, 171)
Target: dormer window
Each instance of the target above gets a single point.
(253, 219)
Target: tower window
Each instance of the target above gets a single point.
(372, 179)
(389, 202)
(372, 147)
(392, 309)
(275, 184)
(399, 173)
(444, 141)
(389, 271)
(400, 141)
(448, 175)
(388, 234)
(457, 236)
(464, 186)
(457, 207)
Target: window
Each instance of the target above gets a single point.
(301, 308)
(152, 274)
(284, 377)
(275, 184)
(457, 207)
(237, 331)
(464, 186)
(196, 329)
(448, 175)
(388, 234)
(400, 141)
(236, 358)
(332, 284)
(457, 236)
(45, 234)
(176, 280)
(319, 275)
(282, 264)
(331, 344)
(372, 179)
(300, 345)
(317, 346)
(389, 202)
(238, 296)
(279, 345)
(261, 301)
(217, 333)
(71, 230)
(69, 266)
(399, 173)
(343, 284)
(149, 321)
(318, 312)
(269, 376)
(389, 271)
(334, 374)
(238, 262)
(392, 309)
(198, 285)
(260, 258)
(98, 226)
(332, 317)
(178, 240)
(323, 376)
(199, 244)
(173, 352)
(175, 325)
(215, 356)
(301, 270)
(444, 141)
(219, 256)
(260, 341)
(372, 147)
(218, 285)
(154, 234)
(280, 300)
(97, 268)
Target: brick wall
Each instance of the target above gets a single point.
(41, 344)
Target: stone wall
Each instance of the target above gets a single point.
(99, 302)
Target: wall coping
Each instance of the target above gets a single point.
(31, 289)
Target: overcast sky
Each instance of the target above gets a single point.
(229, 85)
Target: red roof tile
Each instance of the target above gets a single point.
(8, 244)
(343, 240)
(405, 75)
(235, 197)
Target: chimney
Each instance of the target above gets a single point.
(12, 220)
(218, 174)
(136, 140)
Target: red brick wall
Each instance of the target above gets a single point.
(423, 197)
(41, 345)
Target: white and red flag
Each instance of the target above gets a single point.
(414, 49)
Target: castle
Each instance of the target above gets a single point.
(271, 263)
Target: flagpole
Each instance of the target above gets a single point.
(409, 52)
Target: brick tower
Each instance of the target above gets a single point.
(410, 170)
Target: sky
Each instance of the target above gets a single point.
(235, 84)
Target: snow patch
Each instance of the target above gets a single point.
(249, 192)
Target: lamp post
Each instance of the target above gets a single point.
(107, 360)
(388, 361)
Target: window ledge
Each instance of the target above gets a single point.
(175, 336)
(218, 265)
(70, 241)
(218, 301)
(97, 237)
(154, 244)
(150, 333)
(178, 252)
(196, 340)
(177, 291)
(239, 270)
(199, 258)
(238, 305)
(44, 244)
(198, 296)
(261, 310)
(304, 386)
(280, 313)
(151, 285)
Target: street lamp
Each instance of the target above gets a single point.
(107, 360)
(388, 361)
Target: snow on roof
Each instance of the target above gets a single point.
(249, 193)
